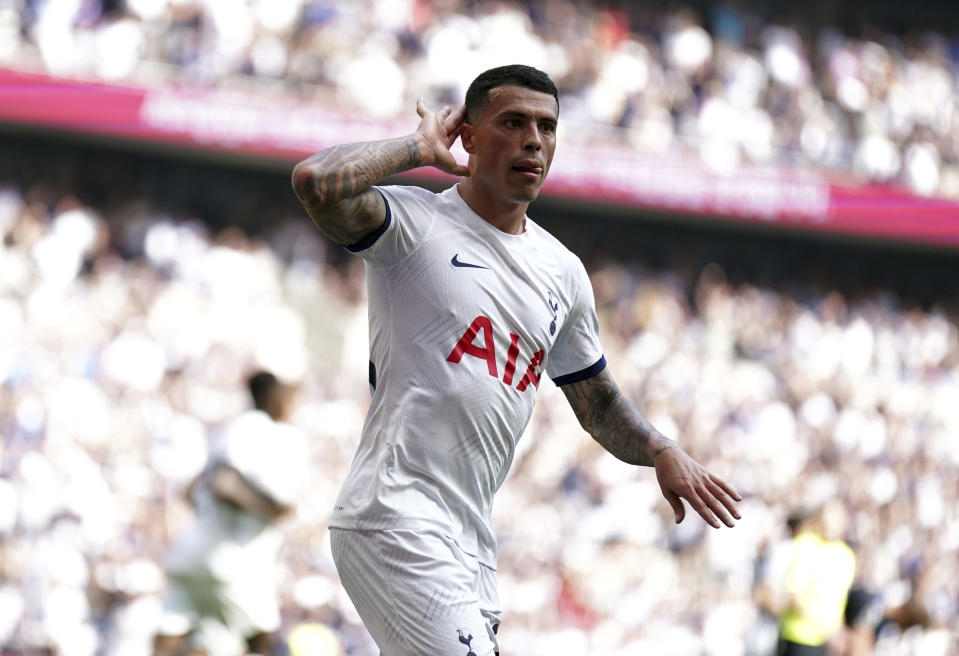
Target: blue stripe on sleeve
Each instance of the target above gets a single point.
(582, 374)
(371, 238)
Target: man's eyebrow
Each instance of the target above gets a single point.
(515, 113)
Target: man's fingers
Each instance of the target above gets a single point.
(679, 510)
(726, 487)
(449, 164)
(723, 496)
(719, 510)
(703, 509)
(452, 129)
(442, 117)
(455, 119)
(450, 122)
(454, 135)
(457, 169)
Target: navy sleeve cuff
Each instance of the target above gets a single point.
(371, 238)
(582, 374)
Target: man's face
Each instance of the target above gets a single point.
(511, 143)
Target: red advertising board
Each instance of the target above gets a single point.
(290, 128)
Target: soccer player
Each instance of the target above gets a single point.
(222, 597)
(470, 302)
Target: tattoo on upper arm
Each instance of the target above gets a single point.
(612, 420)
(332, 183)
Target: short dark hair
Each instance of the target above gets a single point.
(477, 96)
(262, 385)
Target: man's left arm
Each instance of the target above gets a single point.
(606, 414)
(231, 486)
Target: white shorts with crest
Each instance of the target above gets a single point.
(418, 593)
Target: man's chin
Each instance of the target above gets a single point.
(527, 194)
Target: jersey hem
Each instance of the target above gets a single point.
(582, 374)
(409, 524)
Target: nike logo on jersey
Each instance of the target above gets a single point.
(456, 262)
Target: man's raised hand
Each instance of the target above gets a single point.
(437, 132)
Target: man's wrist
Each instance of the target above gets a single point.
(420, 150)
(660, 445)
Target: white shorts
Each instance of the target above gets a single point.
(418, 593)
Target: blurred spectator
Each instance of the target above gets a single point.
(221, 596)
(726, 85)
(838, 378)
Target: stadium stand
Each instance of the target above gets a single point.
(800, 369)
(807, 374)
(868, 90)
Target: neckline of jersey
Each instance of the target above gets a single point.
(506, 237)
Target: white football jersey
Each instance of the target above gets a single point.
(464, 319)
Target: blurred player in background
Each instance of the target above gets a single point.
(808, 580)
(221, 595)
(470, 302)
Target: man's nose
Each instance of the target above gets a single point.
(534, 140)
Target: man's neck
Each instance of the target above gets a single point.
(503, 215)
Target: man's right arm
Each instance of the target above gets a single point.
(335, 185)
(231, 487)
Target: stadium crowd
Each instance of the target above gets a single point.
(127, 329)
(735, 84)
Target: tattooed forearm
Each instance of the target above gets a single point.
(612, 420)
(344, 171)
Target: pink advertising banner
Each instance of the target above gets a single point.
(288, 129)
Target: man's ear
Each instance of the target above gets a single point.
(466, 138)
